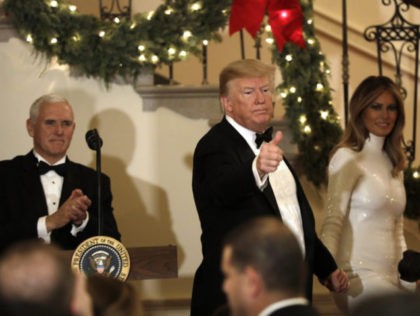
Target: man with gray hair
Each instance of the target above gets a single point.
(45, 195)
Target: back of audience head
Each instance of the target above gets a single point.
(113, 297)
(36, 279)
(392, 304)
(264, 252)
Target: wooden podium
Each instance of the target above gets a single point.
(153, 262)
(150, 262)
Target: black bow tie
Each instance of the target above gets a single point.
(264, 137)
(60, 169)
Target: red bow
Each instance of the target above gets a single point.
(285, 18)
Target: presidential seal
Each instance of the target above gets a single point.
(102, 255)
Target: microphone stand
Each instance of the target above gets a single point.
(95, 142)
(99, 188)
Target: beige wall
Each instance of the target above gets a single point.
(147, 153)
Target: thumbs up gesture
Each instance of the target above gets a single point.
(270, 155)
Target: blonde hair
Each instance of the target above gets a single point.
(245, 68)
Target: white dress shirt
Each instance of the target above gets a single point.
(282, 304)
(52, 184)
(282, 183)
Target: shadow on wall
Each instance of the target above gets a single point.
(141, 208)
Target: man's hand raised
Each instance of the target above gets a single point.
(270, 155)
(74, 209)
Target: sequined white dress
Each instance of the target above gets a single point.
(364, 224)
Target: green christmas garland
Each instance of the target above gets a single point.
(105, 49)
(177, 28)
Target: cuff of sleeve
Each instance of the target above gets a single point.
(261, 183)
(77, 229)
(410, 286)
(42, 229)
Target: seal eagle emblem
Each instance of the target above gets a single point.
(102, 255)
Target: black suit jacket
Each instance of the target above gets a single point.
(22, 202)
(226, 195)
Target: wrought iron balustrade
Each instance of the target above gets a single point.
(398, 36)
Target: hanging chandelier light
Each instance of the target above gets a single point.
(115, 10)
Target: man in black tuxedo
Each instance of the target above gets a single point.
(264, 271)
(239, 174)
(57, 205)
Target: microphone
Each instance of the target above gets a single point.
(93, 139)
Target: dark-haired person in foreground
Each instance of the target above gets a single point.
(264, 271)
(388, 304)
(44, 194)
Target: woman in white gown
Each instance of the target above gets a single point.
(366, 197)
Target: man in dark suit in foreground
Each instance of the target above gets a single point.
(239, 174)
(57, 205)
(264, 270)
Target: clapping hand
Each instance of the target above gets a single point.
(74, 210)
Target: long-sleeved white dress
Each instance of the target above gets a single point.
(364, 224)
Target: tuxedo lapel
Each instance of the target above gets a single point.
(236, 142)
(31, 183)
(269, 194)
(70, 181)
(245, 153)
